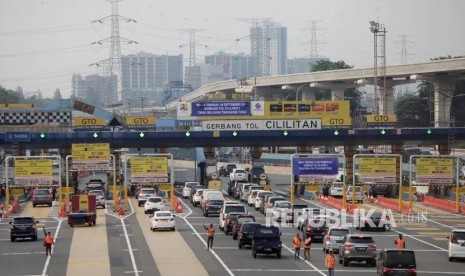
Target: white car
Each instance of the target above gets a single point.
(238, 175)
(143, 194)
(251, 198)
(336, 191)
(153, 204)
(282, 210)
(197, 197)
(99, 196)
(186, 191)
(259, 198)
(230, 208)
(358, 194)
(162, 220)
(456, 244)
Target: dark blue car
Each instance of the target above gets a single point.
(266, 240)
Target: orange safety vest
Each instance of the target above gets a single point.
(48, 239)
(308, 242)
(330, 261)
(210, 231)
(400, 244)
(297, 242)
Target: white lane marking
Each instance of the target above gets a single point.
(394, 230)
(204, 242)
(128, 242)
(307, 262)
(21, 253)
(47, 262)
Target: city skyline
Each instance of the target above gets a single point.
(42, 43)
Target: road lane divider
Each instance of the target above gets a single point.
(202, 240)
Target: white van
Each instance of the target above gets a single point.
(456, 244)
(230, 208)
(358, 194)
(212, 202)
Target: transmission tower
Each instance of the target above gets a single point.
(313, 38)
(403, 52)
(112, 68)
(191, 43)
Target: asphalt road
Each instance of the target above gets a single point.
(425, 233)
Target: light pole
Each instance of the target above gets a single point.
(298, 90)
(142, 102)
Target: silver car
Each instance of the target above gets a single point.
(333, 238)
(357, 248)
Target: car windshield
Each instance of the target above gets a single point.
(339, 232)
(24, 220)
(458, 235)
(147, 191)
(262, 195)
(272, 200)
(283, 205)
(42, 192)
(155, 199)
(400, 259)
(96, 192)
(361, 240)
(192, 184)
(262, 231)
(158, 215)
(239, 171)
(249, 227)
(234, 208)
(376, 215)
(245, 219)
(258, 171)
(199, 192)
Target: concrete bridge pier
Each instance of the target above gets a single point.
(443, 93)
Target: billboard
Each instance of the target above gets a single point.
(435, 170)
(316, 169)
(303, 124)
(377, 169)
(149, 169)
(332, 113)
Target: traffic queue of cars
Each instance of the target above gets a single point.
(153, 204)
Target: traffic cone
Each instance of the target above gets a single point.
(121, 211)
(178, 207)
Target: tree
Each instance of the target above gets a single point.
(9, 96)
(57, 94)
(353, 94)
(412, 111)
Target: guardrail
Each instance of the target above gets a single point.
(331, 201)
(439, 203)
(393, 204)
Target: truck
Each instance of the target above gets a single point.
(83, 210)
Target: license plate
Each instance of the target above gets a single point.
(317, 237)
(267, 249)
(361, 248)
(164, 220)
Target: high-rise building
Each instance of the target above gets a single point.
(269, 48)
(235, 66)
(301, 65)
(91, 88)
(202, 74)
(144, 75)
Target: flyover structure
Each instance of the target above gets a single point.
(443, 74)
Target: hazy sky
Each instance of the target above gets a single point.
(43, 42)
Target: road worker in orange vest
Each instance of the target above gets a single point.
(400, 242)
(297, 241)
(48, 242)
(307, 245)
(330, 262)
(210, 235)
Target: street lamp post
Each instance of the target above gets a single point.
(142, 102)
(298, 90)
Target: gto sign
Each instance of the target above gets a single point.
(140, 120)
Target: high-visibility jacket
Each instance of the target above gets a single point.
(210, 231)
(330, 261)
(308, 242)
(297, 242)
(48, 239)
(400, 244)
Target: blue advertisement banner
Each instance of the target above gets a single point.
(315, 166)
(221, 109)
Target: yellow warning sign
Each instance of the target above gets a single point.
(97, 152)
(33, 168)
